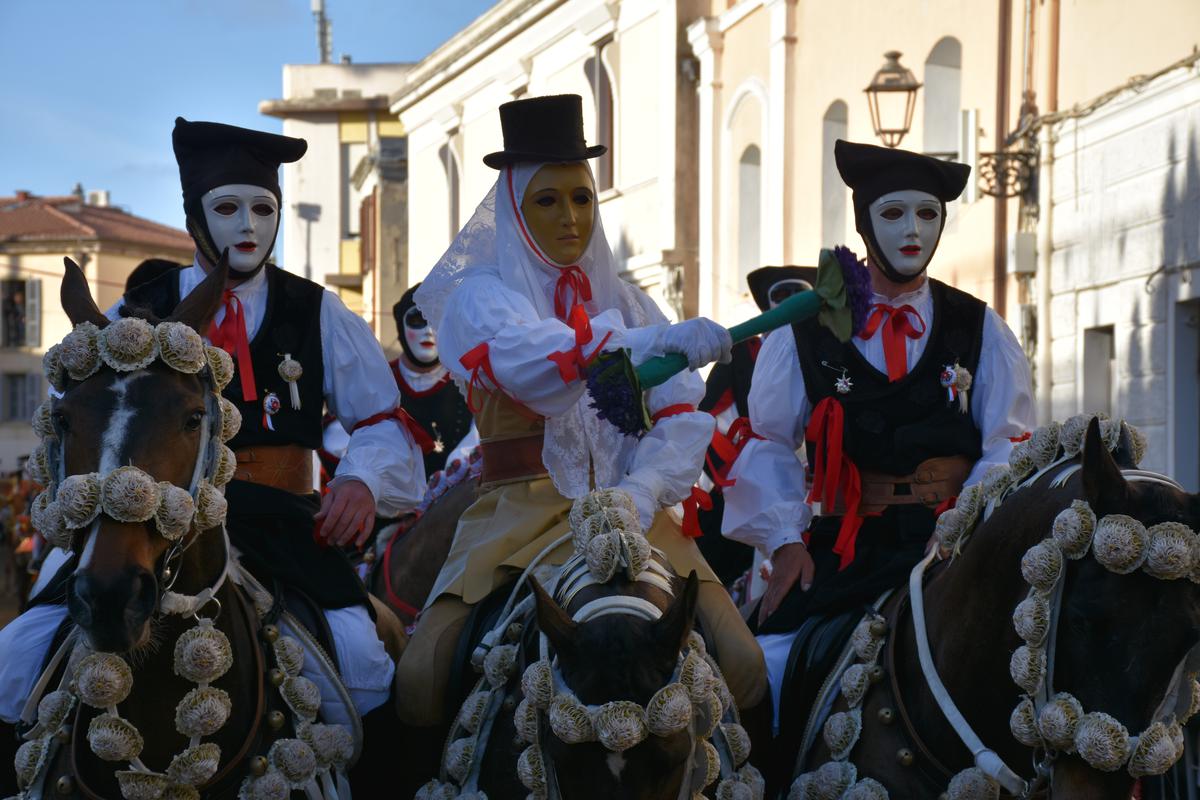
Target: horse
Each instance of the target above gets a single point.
(404, 576)
(622, 644)
(159, 609)
(1121, 644)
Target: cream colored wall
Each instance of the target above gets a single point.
(828, 70)
(1105, 42)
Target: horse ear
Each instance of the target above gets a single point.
(76, 297)
(1104, 486)
(201, 305)
(672, 629)
(552, 620)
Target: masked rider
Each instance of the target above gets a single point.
(918, 405)
(426, 390)
(271, 317)
(521, 300)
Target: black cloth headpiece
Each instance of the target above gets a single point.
(211, 154)
(546, 128)
(401, 308)
(762, 279)
(872, 171)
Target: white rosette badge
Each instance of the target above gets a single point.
(290, 370)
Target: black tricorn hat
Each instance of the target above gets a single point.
(873, 171)
(211, 154)
(762, 279)
(546, 128)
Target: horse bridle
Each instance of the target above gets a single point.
(986, 759)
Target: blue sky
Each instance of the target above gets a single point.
(91, 88)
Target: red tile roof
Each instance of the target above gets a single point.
(27, 218)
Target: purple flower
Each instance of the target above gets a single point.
(613, 394)
(858, 286)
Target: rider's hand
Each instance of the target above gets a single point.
(347, 513)
(789, 562)
(700, 340)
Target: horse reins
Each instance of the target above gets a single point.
(985, 758)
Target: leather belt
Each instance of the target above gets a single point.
(288, 467)
(511, 460)
(932, 483)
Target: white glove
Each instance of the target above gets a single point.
(701, 340)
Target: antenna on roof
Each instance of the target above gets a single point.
(324, 30)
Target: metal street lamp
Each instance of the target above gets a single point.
(892, 96)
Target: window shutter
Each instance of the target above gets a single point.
(33, 313)
(968, 151)
(34, 392)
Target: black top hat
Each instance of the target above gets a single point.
(211, 154)
(543, 129)
(762, 279)
(873, 171)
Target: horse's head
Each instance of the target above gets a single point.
(612, 658)
(1123, 638)
(152, 418)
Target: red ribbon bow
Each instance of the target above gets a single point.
(571, 363)
(691, 514)
(896, 328)
(420, 436)
(571, 290)
(230, 336)
(833, 471)
(477, 359)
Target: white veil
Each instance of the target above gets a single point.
(495, 242)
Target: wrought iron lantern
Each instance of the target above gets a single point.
(892, 97)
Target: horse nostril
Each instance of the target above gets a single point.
(143, 594)
(79, 599)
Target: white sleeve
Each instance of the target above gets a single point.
(668, 459)
(482, 311)
(765, 507)
(1001, 394)
(358, 385)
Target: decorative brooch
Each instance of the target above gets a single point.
(956, 380)
(290, 370)
(842, 385)
(271, 406)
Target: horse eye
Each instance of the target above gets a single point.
(193, 422)
(60, 421)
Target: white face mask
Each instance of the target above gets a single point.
(422, 342)
(243, 218)
(907, 225)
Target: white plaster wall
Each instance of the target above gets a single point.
(1125, 218)
(314, 180)
(302, 80)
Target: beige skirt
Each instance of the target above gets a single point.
(507, 527)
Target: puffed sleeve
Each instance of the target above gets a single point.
(668, 459)
(359, 385)
(492, 335)
(1001, 394)
(765, 507)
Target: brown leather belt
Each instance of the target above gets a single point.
(933, 482)
(285, 466)
(511, 460)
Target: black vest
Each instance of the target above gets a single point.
(290, 324)
(893, 427)
(441, 411)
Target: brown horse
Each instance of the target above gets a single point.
(1120, 639)
(161, 421)
(403, 577)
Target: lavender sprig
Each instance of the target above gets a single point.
(858, 286)
(616, 396)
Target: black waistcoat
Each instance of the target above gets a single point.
(893, 427)
(441, 411)
(291, 324)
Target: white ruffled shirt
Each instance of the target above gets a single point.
(766, 507)
(358, 384)
(665, 463)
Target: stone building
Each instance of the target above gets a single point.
(36, 232)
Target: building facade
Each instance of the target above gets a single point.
(628, 59)
(343, 220)
(36, 233)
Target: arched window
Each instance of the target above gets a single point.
(749, 194)
(943, 99)
(450, 164)
(598, 78)
(833, 188)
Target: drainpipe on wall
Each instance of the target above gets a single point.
(1045, 245)
(1000, 227)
